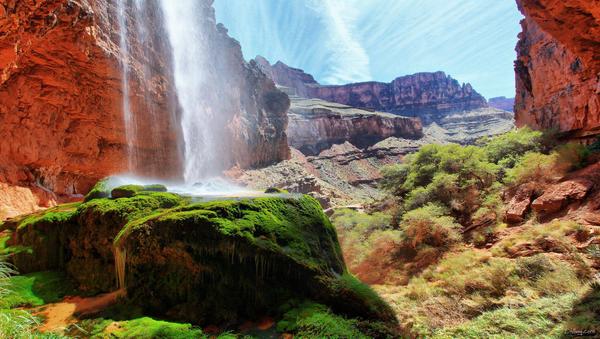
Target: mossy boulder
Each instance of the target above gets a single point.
(275, 190)
(128, 191)
(226, 260)
(205, 263)
(99, 191)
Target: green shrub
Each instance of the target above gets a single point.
(454, 176)
(507, 148)
(532, 268)
(534, 167)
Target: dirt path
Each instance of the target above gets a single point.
(59, 316)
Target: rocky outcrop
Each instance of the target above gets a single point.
(503, 103)
(217, 262)
(316, 125)
(574, 197)
(558, 67)
(62, 124)
(467, 127)
(425, 95)
(283, 75)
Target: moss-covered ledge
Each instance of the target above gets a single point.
(207, 262)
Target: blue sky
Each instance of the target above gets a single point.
(343, 41)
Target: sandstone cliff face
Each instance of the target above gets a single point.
(62, 121)
(558, 66)
(61, 112)
(425, 95)
(316, 125)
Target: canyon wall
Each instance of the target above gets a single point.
(62, 121)
(428, 96)
(503, 103)
(61, 111)
(316, 125)
(558, 67)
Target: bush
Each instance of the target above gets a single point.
(429, 226)
(534, 167)
(507, 148)
(450, 175)
(311, 320)
(532, 268)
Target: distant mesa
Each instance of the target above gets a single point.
(503, 103)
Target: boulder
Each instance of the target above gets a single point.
(520, 203)
(560, 195)
(211, 262)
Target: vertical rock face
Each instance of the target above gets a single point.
(425, 95)
(316, 125)
(61, 111)
(287, 76)
(61, 96)
(558, 66)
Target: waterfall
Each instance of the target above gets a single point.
(183, 21)
(127, 115)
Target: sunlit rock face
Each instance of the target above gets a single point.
(62, 123)
(316, 125)
(61, 119)
(558, 65)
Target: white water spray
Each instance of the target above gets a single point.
(188, 40)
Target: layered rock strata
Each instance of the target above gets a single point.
(558, 67)
(316, 125)
(424, 95)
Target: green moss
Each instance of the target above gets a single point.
(99, 191)
(126, 191)
(36, 289)
(312, 320)
(155, 188)
(294, 227)
(50, 217)
(144, 327)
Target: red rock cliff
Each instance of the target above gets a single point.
(61, 98)
(558, 66)
(426, 95)
(61, 107)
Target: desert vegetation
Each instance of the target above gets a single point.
(443, 256)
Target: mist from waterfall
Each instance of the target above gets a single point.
(188, 41)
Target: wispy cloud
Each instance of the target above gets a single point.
(341, 41)
(348, 60)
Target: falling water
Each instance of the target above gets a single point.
(186, 33)
(130, 131)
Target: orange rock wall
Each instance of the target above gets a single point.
(558, 66)
(61, 112)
